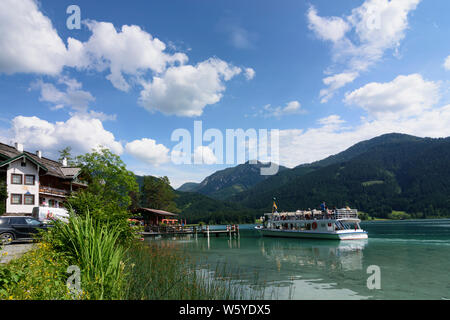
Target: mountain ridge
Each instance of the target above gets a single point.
(227, 182)
(394, 173)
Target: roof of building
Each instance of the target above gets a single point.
(70, 171)
(52, 167)
(155, 211)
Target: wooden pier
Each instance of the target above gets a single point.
(230, 231)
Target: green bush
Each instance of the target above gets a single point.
(363, 215)
(96, 249)
(399, 215)
(39, 274)
(103, 213)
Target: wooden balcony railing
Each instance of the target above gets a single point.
(53, 191)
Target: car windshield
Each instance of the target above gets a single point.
(32, 221)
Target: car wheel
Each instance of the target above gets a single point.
(6, 238)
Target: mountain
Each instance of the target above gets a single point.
(196, 207)
(188, 187)
(226, 183)
(268, 188)
(390, 172)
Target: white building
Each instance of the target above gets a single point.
(33, 180)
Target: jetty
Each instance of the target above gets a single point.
(206, 231)
(159, 222)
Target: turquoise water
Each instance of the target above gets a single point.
(413, 257)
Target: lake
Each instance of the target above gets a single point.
(413, 257)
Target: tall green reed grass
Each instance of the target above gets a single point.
(156, 273)
(95, 249)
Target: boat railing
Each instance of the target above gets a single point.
(316, 215)
(346, 213)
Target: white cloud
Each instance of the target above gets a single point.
(240, 37)
(249, 73)
(375, 26)
(148, 151)
(80, 132)
(204, 155)
(405, 96)
(447, 63)
(292, 107)
(28, 41)
(186, 90)
(130, 56)
(131, 51)
(404, 105)
(72, 97)
(96, 115)
(312, 144)
(333, 120)
(332, 29)
(334, 83)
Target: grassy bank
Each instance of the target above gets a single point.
(110, 268)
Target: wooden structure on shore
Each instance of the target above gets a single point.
(153, 217)
(232, 230)
(153, 225)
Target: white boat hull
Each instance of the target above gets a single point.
(338, 235)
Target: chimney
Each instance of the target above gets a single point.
(39, 153)
(64, 162)
(18, 146)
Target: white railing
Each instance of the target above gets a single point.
(346, 213)
(314, 215)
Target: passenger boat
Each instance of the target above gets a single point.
(339, 224)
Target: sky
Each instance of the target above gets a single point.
(133, 74)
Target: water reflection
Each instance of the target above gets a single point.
(330, 255)
(414, 262)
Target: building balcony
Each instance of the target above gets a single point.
(53, 191)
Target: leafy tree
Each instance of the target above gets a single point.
(107, 197)
(197, 207)
(156, 193)
(108, 177)
(66, 153)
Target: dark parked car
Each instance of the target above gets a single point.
(15, 228)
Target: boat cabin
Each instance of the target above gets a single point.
(313, 220)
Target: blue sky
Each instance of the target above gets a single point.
(327, 74)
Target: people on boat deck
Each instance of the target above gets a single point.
(323, 206)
